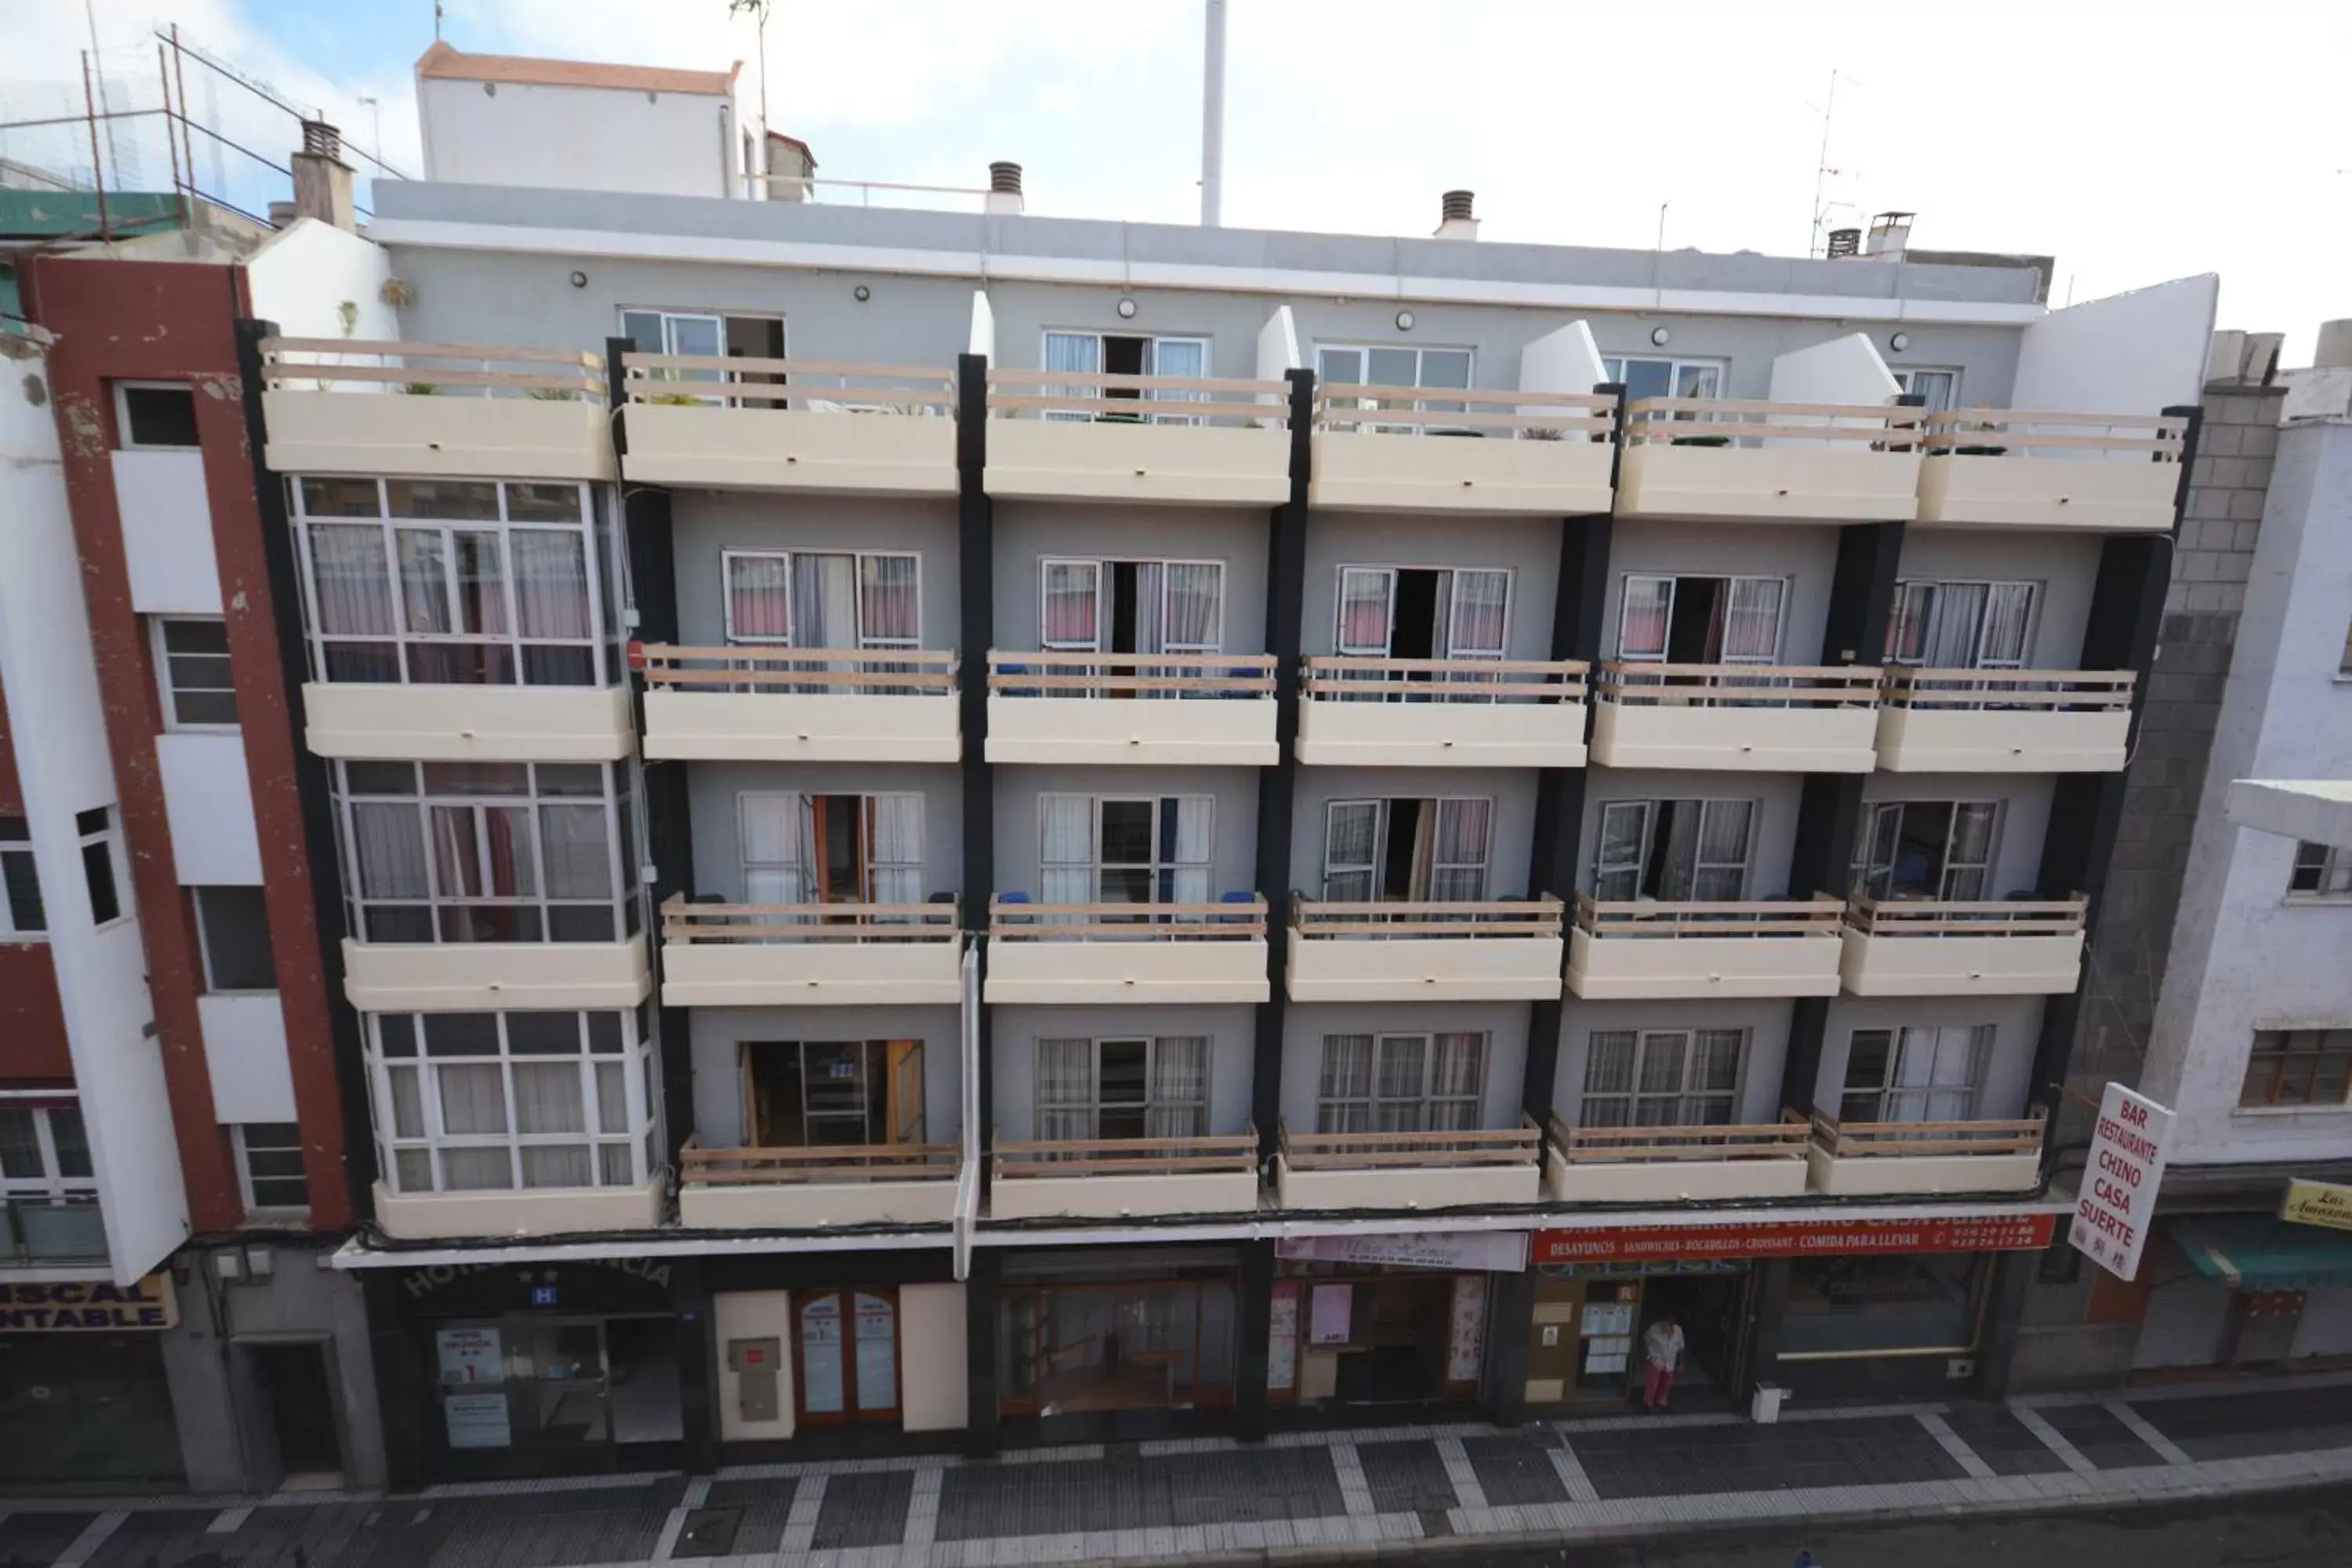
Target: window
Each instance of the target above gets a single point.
(1915, 1075)
(814, 1094)
(1124, 850)
(1131, 607)
(1679, 850)
(504, 1101)
(1960, 625)
(1407, 611)
(2320, 872)
(1701, 620)
(1927, 849)
(1662, 1077)
(470, 852)
(192, 670)
(1646, 376)
(1442, 370)
(824, 599)
(2298, 1066)
(21, 914)
(1907, 1304)
(154, 414)
(232, 937)
(1139, 1088)
(1111, 354)
(455, 582)
(97, 831)
(708, 335)
(1418, 852)
(831, 848)
(50, 1188)
(269, 1167)
(1401, 1083)
(1939, 389)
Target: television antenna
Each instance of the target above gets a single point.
(1823, 171)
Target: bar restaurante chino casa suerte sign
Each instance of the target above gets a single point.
(2117, 1204)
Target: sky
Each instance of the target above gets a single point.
(2135, 142)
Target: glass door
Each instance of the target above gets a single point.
(846, 1344)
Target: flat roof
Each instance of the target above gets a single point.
(445, 63)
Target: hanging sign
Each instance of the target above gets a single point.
(2324, 1203)
(2113, 1215)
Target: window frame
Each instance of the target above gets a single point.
(1144, 396)
(53, 1185)
(1682, 1095)
(1383, 823)
(1421, 352)
(108, 840)
(1419, 1104)
(1100, 565)
(1391, 570)
(1651, 810)
(1785, 584)
(2329, 871)
(204, 944)
(640, 1110)
(16, 844)
(1934, 589)
(1152, 1104)
(867, 640)
(1862, 873)
(124, 441)
(1159, 873)
(1903, 380)
(167, 692)
(1676, 365)
(2322, 1046)
(1982, 1041)
(241, 1145)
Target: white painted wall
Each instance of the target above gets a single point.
(1562, 361)
(576, 138)
(1843, 369)
(2243, 957)
(933, 1366)
(2138, 353)
(1278, 346)
(752, 1315)
(983, 327)
(208, 800)
(167, 532)
(316, 281)
(64, 767)
(245, 1053)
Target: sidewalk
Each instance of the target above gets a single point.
(1378, 1492)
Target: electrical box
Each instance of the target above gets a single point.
(754, 1363)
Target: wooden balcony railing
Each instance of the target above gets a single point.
(1949, 917)
(1349, 677)
(1658, 1145)
(1314, 917)
(1821, 915)
(1063, 673)
(1203, 1155)
(694, 922)
(1456, 411)
(1898, 1140)
(422, 369)
(848, 672)
(2039, 690)
(1520, 1146)
(1726, 422)
(2015, 433)
(1093, 396)
(1015, 919)
(819, 386)
(1636, 683)
(699, 1166)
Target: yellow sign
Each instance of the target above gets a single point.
(2318, 1203)
(87, 1306)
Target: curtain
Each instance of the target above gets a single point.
(547, 1098)
(888, 609)
(556, 1165)
(578, 851)
(1641, 626)
(473, 1099)
(1676, 877)
(407, 1097)
(551, 579)
(894, 847)
(1458, 872)
(1350, 850)
(612, 1097)
(758, 598)
(1906, 627)
(1457, 1073)
(1721, 871)
(1479, 604)
(1073, 589)
(1065, 1089)
(1080, 352)
(1658, 1078)
(1182, 359)
(1967, 864)
(424, 579)
(1952, 627)
(1195, 603)
(476, 1170)
(1752, 620)
(390, 850)
(1365, 596)
(824, 600)
(1608, 1077)
(1193, 816)
(1625, 836)
(774, 826)
(2009, 609)
(482, 582)
(1066, 850)
(1179, 1103)
(457, 855)
(1714, 1078)
(1345, 1085)
(354, 588)
(1149, 588)
(1935, 1074)
(1401, 1083)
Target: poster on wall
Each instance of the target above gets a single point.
(1331, 1315)
(476, 1420)
(1282, 1338)
(1465, 1339)
(470, 1356)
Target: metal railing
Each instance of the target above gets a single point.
(1582, 416)
(1118, 398)
(1821, 915)
(1520, 1146)
(1063, 673)
(421, 369)
(848, 672)
(1728, 422)
(1015, 919)
(1335, 918)
(2051, 691)
(1207, 1154)
(696, 922)
(2019, 433)
(1867, 1140)
(1975, 917)
(823, 386)
(1636, 683)
(1658, 1145)
(1353, 677)
(699, 1166)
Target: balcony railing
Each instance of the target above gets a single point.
(800, 671)
(1933, 918)
(318, 364)
(1082, 396)
(1012, 918)
(1203, 1155)
(1520, 1146)
(1666, 919)
(1650, 1145)
(699, 1166)
(1331, 917)
(1724, 422)
(685, 923)
(2029, 690)
(1990, 467)
(1640, 684)
(1061, 673)
(1348, 677)
(1568, 417)
(2009, 432)
(1664, 948)
(782, 704)
(39, 1231)
(816, 386)
(1921, 1140)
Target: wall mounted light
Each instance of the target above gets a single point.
(1899, 342)
(861, 293)
(1660, 336)
(1127, 309)
(1404, 320)
(579, 279)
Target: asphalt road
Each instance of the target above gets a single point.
(2310, 1529)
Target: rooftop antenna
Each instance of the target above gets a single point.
(1822, 171)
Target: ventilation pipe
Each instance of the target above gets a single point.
(1003, 187)
(1453, 218)
(1212, 119)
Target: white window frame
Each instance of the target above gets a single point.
(1421, 352)
(1150, 1106)
(123, 440)
(52, 1186)
(1648, 811)
(639, 1111)
(866, 639)
(1391, 570)
(1612, 368)
(1673, 580)
(12, 849)
(1865, 871)
(2331, 869)
(1682, 1043)
(245, 1177)
(1101, 566)
(1145, 397)
(1410, 1110)
(158, 632)
(594, 538)
(1904, 378)
(1891, 1093)
(1381, 826)
(109, 838)
(1162, 873)
(803, 809)
(1932, 591)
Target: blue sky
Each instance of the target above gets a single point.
(2136, 141)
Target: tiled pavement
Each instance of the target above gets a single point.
(1298, 1496)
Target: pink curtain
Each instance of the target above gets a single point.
(759, 605)
(1070, 603)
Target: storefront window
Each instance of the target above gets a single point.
(536, 1384)
(1876, 1306)
(1401, 1337)
(1070, 1350)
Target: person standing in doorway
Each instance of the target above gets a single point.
(1663, 1346)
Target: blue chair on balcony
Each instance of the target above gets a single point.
(1237, 895)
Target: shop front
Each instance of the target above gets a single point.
(1371, 1322)
(1584, 1346)
(2234, 1293)
(84, 1397)
(1092, 1342)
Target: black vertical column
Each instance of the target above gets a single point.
(1511, 1320)
(1286, 591)
(400, 1384)
(697, 1382)
(1254, 1332)
(982, 1437)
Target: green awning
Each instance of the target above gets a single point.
(2254, 1252)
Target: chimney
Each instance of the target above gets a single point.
(2333, 351)
(323, 181)
(1890, 236)
(1844, 242)
(281, 213)
(1003, 188)
(1454, 219)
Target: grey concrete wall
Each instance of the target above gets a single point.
(718, 1033)
(1766, 1021)
(2009, 1067)
(1772, 829)
(1017, 1030)
(713, 788)
(2064, 568)
(1806, 556)
(1529, 548)
(1505, 1025)
(706, 523)
(1029, 532)
(1510, 842)
(1233, 842)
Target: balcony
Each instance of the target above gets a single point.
(1705, 459)
(468, 723)
(1666, 949)
(2102, 473)
(1892, 1159)
(345, 405)
(41, 1232)
(1125, 1178)
(1504, 949)
(442, 977)
(1127, 952)
(814, 426)
(1409, 1170)
(810, 1188)
(1154, 708)
(533, 1212)
(2005, 721)
(808, 955)
(1443, 712)
(1740, 718)
(800, 705)
(1543, 453)
(1069, 435)
(1936, 947)
(1675, 1164)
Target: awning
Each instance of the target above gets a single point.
(2254, 1252)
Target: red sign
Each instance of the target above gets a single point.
(1794, 1238)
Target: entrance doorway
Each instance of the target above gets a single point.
(1587, 1335)
(299, 1393)
(846, 1356)
(1708, 1307)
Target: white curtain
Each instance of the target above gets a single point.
(1752, 620)
(1674, 877)
(1179, 1105)
(551, 579)
(1952, 627)
(1366, 593)
(1190, 880)
(2009, 612)
(556, 1165)
(1968, 863)
(1343, 1091)
(1183, 359)
(547, 1098)
(1401, 1083)
(1457, 1074)
(482, 582)
(758, 598)
(408, 1096)
(1193, 622)
(1080, 352)
(1625, 841)
(824, 600)
(1065, 1089)
(775, 832)
(895, 856)
(387, 842)
(578, 851)
(473, 1099)
(1352, 834)
(1714, 1078)
(890, 616)
(1149, 588)
(476, 1170)
(1458, 871)
(1906, 627)
(1475, 628)
(351, 581)
(1641, 625)
(1608, 1079)
(1720, 874)
(1073, 589)
(484, 851)
(1935, 1074)
(1066, 850)
(424, 579)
